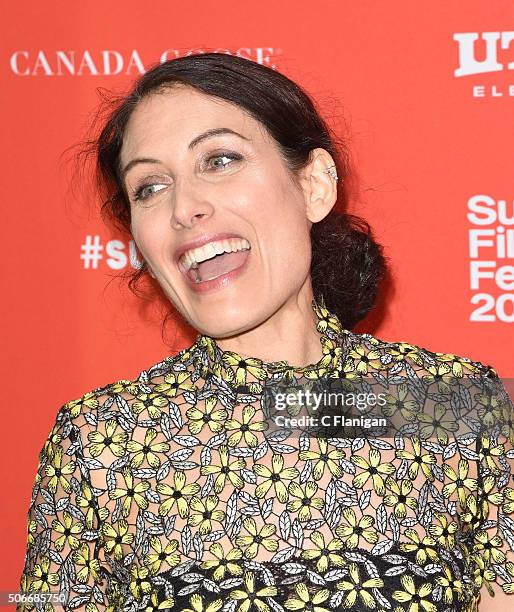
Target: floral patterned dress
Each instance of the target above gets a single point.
(166, 493)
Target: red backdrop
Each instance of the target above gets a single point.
(425, 97)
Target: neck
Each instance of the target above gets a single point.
(289, 334)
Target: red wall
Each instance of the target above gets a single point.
(429, 115)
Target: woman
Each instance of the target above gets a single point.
(176, 490)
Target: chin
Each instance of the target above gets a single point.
(226, 322)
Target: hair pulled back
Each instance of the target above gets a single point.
(347, 263)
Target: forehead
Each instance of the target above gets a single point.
(175, 116)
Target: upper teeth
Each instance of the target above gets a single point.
(191, 258)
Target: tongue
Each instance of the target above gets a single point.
(218, 265)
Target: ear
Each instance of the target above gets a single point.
(319, 188)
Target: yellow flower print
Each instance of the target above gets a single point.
(452, 587)
(482, 576)
(203, 513)
(331, 358)
(88, 500)
(509, 586)
(43, 577)
(490, 547)
(162, 554)
(436, 425)
(489, 494)
(326, 320)
(147, 450)
(365, 360)
(178, 494)
(166, 604)
(356, 529)
(132, 493)
(89, 565)
(174, 382)
(197, 604)
(89, 400)
(207, 413)
(490, 411)
(245, 428)
(305, 500)
(406, 352)
(124, 386)
(274, 477)
(326, 554)
(226, 469)
(416, 598)
(182, 357)
(307, 601)
(471, 516)
(257, 538)
(440, 374)
(140, 582)
(488, 453)
(58, 472)
(31, 529)
(444, 532)
(115, 442)
(459, 481)
(418, 460)
(424, 548)
(508, 504)
(69, 531)
(408, 408)
(399, 497)
(223, 563)
(151, 402)
(117, 538)
(349, 372)
(458, 364)
(211, 349)
(374, 469)
(506, 422)
(244, 366)
(324, 458)
(358, 588)
(250, 596)
(51, 443)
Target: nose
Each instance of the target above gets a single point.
(189, 205)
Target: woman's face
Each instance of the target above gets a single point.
(206, 188)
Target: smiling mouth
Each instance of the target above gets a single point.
(214, 259)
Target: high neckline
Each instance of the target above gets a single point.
(236, 369)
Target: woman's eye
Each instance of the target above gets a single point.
(146, 191)
(220, 156)
(140, 193)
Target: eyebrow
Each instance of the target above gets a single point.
(192, 145)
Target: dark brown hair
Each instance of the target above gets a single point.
(347, 263)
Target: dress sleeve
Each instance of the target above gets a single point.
(64, 563)
(493, 542)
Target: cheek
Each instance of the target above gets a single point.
(283, 231)
(148, 235)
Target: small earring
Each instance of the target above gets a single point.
(332, 171)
